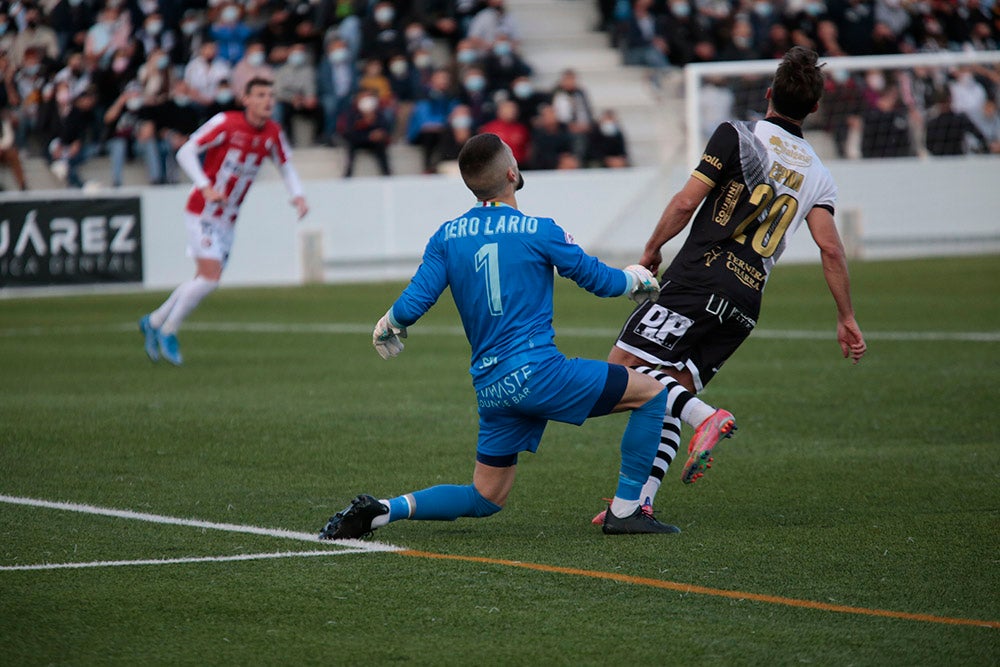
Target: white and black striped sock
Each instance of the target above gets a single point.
(681, 403)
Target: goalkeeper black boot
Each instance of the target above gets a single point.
(355, 520)
(639, 522)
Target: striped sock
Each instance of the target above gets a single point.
(681, 403)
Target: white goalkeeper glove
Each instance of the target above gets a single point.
(642, 284)
(386, 337)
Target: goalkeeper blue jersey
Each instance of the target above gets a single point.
(498, 263)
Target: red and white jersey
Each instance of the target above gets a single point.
(233, 152)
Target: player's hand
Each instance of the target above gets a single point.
(211, 194)
(642, 284)
(386, 338)
(651, 260)
(301, 207)
(852, 342)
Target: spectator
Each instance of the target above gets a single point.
(295, 92)
(885, 129)
(108, 35)
(167, 126)
(828, 40)
(337, 81)
(74, 74)
(762, 16)
(69, 150)
(438, 18)
(458, 131)
(253, 65)
(573, 110)
(502, 65)
(607, 144)
(475, 97)
(8, 31)
(122, 120)
(9, 154)
(529, 100)
(225, 100)
(191, 36)
(741, 45)
(230, 33)
(948, 131)
(34, 35)
(403, 79)
(841, 102)
(512, 131)
(855, 21)
(373, 78)
(204, 74)
(682, 33)
(155, 35)
(777, 43)
(967, 94)
(991, 125)
(382, 36)
(279, 30)
(70, 19)
(466, 54)
(342, 19)
(423, 63)
(367, 129)
(28, 82)
(416, 38)
(156, 77)
(491, 23)
(551, 144)
(893, 15)
(430, 115)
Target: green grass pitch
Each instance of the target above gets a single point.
(872, 487)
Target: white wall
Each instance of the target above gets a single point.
(376, 229)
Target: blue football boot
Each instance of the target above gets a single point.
(150, 334)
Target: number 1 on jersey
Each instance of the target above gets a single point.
(488, 258)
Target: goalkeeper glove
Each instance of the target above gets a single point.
(386, 337)
(642, 284)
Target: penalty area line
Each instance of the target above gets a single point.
(352, 545)
(704, 590)
(176, 561)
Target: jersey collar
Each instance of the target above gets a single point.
(786, 125)
(492, 203)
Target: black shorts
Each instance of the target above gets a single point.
(687, 328)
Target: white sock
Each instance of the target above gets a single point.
(696, 411)
(649, 490)
(159, 316)
(680, 402)
(622, 508)
(189, 295)
(382, 519)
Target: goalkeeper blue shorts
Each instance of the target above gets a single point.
(514, 410)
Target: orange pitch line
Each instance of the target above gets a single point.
(704, 590)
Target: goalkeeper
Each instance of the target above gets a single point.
(498, 263)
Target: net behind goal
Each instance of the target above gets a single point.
(872, 106)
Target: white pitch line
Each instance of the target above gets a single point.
(348, 328)
(176, 561)
(355, 545)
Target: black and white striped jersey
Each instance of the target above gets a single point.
(765, 179)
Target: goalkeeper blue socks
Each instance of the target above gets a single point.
(445, 502)
(639, 443)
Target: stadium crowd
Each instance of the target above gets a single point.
(132, 78)
(875, 113)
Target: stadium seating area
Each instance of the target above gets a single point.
(103, 91)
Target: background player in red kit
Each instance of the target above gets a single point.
(235, 144)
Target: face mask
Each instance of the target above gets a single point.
(162, 62)
(523, 90)
(385, 15)
(742, 42)
(467, 56)
(182, 100)
(815, 9)
(475, 83)
(414, 35)
(255, 59)
(296, 58)
(189, 28)
(367, 104)
(134, 103)
(876, 82)
(119, 65)
(608, 128)
(423, 60)
(681, 10)
(154, 27)
(840, 75)
(763, 9)
(230, 15)
(31, 69)
(337, 56)
(398, 67)
(75, 3)
(502, 48)
(461, 122)
(224, 96)
(62, 96)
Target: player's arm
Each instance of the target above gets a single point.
(210, 134)
(824, 233)
(282, 156)
(423, 291)
(674, 219)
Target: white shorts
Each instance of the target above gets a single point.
(209, 239)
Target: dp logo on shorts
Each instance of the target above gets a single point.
(663, 326)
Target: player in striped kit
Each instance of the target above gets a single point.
(234, 144)
(756, 183)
